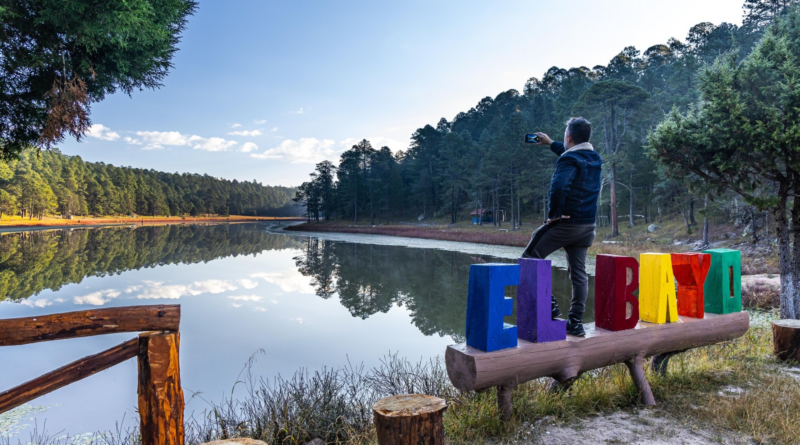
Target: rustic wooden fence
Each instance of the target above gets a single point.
(160, 394)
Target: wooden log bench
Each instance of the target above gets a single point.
(470, 369)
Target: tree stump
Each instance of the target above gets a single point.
(786, 339)
(409, 419)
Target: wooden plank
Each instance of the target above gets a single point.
(68, 374)
(470, 369)
(20, 331)
(160, 394)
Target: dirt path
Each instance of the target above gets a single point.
(638, 427)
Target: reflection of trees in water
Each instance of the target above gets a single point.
(431, 284)
(33, 261)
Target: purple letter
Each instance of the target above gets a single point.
(534, 314)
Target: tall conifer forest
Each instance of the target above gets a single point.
(45, 182)
(478, 159)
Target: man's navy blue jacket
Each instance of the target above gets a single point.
(575, 186)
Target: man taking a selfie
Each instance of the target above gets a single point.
(570, 224)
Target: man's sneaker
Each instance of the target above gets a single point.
(556, 312)
(575, 328)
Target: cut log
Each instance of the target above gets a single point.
(68, 374)
(409, 419)
(21, 331)
(786, 339)
(470, 369)
(160, 393)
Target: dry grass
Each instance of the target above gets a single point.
(761, 295)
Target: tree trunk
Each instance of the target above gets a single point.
(691, 212)
(513, 219)
(785, 258)
(409, 419)
(613, 193)
(705, 221)
(630, 206)
(796, 252)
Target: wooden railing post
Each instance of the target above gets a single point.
(160, 395)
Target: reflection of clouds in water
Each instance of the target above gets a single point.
(247, 283)
(41, 303)
(245, 297)
(98, 298)
(236, 305)
(288, 281)
(156, 289)
(11, 421)
(259, 309)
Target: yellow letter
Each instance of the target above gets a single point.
(657, 300)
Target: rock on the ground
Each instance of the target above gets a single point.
(239, 441)
(316, 442)
(653, 227)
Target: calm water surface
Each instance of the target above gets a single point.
(305, 301)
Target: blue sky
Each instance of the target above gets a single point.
(264, 89)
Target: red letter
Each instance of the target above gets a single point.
(615, 306)
(690, 270)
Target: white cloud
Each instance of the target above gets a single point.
(41, 303)
(259, 309)
(132, 141)
(237, 125)
(303, 151)
(245, 297)
(288, 281)
(247, 147)
(133, 289)
(274, 129)
(312, 150)
(153, 140)
(300, 111)
(212, 144)
(156, 290)
(247, 283)
(259, 121)
(100, 131)
(246, 133)
(98, 298)
(236, 305)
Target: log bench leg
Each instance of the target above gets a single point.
(504, 400)
(636, 367)
(561, 386)
(661, 361)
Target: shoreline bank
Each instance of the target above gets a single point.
(23, 225)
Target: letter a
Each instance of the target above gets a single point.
(657, 300)
(534, 315)
(487, 305)
(615, 306)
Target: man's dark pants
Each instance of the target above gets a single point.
(576, 240)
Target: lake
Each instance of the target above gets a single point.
(291, 301)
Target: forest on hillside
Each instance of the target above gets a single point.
(41, 183)
(478, 160)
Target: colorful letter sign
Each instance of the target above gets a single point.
(487, 305)
(534, 316)
(690, 271)
(723, 287)
(615, 306)
(657, 302)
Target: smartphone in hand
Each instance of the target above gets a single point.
(531, 138)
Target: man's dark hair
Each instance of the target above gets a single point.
(580, 129)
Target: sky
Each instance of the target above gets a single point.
(264, 89)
